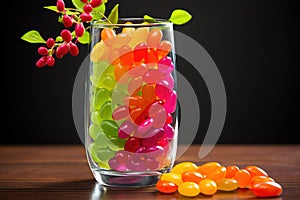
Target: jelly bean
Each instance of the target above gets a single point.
(163, 141)
(126, 55)
(120, 40)
(169, 119)
(169, 131)
(105, 154)
(172, 177)
(151, 58)
(159, 115)
(153, 140)
(151, 163)
(128, 30)
(122, 156)
(118, 95)
(126, 129)
(162, 91)
(93, 152)
(117, 166)
(132, 144)
(134, 101)
(135, 165)
(140, 52)
(106, 110)
(101, 96)
(170, 104)
(166, 65)
(148, 92)
(153, 76)
(163, 48)
(154, 151)
(119, 72)
(138, 69)
(259, 179)
(154, 131)
(208, 187)
(267, 189)
(113, 57)
(154, 37)
(101, 140)
(256, 171)
(192, 176)
(97, 51)
(227, 184)
(109, 127)
(243, 177)
(134, 84)
(93, 131)
(107, 33)
(189, 189)
(95, 117)
(217, 174)
(166, 187)
(108, 82)
(183, 167)
(231, 170)
(144, 126)
(120, 112)
(137, 116)
(103, 165)
(208, 167)
(139, 36)
(167, 80)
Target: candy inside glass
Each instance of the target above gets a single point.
(131, 113)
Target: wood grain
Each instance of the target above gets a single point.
(62, 172)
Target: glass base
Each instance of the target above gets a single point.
(130, 180)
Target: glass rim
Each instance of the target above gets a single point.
(158, 22)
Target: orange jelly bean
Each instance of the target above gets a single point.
(119, 71)
(126, 55)
(148, 92)
(191, 176)
(154, 37)
(256, 171)
(218, 174)
(243, 177)
(107, 33)
(207, 167)
(267, 189)
(231, 170)
(166, 187)
(259, 179)
(163, 49)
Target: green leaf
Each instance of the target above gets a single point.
(180, 17)
(53, 8)
(59, 39)
(78, 4)
(33, 37)
(96, 11)
(113, 17)
(149, 19)
(85, 39)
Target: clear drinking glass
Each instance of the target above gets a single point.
(131, 113)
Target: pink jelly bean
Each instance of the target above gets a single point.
(153, 76)
(159, 115)
(153, 131)
(138, 70)
(163, 141)
(151, 163)
(144, 126)
(134, 84)
(170, 104)
(117, 166)
(166, 65)
(167, 81)
(136, 165)
(120, 112)
(122, 156)
(169, 131)
(152, 141)
(132, 144)
(154, 151)
(125, 129)
(162, 91)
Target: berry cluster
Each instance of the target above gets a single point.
(66, 44)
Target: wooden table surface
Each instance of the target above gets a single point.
(62, 172)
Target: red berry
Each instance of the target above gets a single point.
(67, 21)
(88, 8)
(63, 49)
(86, 17)
(50, 61)
(43, 51)
(96, 3)
(41, 62)
(60, 5)
(66, 35)
(73, 49)
(50, 42)
(79, 29)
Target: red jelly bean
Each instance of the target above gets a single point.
(126, 129)
(132, 144)
(255, 171)
(153, 141)
(267, 189)
(140, 52)
(126, 55)
(170, 104)
(166, 186)
(151, 58)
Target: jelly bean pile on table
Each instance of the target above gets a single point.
(133, 100)
(189, 179)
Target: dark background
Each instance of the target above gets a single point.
(254, 43)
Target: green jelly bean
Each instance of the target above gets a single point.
(96, 118)
(108, 82)
(105, 154)
(103, 165)
(101, 96)
(117, 141)
(118, 96)
(93, 152)
(99, 69)
(94, 130)
(106, 110)
(110, 128)
(101, 140)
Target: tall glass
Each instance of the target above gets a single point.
(131, 113)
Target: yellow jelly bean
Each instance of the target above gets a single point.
(120, 40)
(97, 51)
(128, 30)
(172, 177)
(184, 167)
(139, 36)
(227, 184)
(208, 187)
(189, 189)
